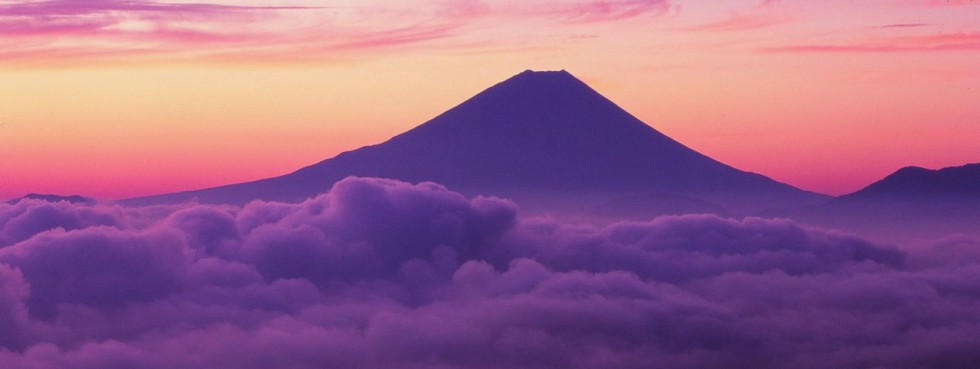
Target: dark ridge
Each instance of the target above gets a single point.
(74, 199)
(911, 203)
(918, 183)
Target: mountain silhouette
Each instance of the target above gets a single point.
(544, 139)
(74, 199)
(912, 202)
(911, 183)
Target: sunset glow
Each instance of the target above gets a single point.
(115, 99)
(475, 184)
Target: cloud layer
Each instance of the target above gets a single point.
(379, 274)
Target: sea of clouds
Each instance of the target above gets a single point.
(384, 274)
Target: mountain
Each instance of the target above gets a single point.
(912, 202)
(545, 139)
(914, 183)
(74, 199)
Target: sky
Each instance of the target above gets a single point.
(115, 99)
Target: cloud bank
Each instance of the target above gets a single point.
(379, 274)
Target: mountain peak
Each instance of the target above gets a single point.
(530, 73)
(542, 113)
(543, 138)
(530, 83)
(910, 170)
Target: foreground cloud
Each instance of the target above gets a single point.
(379, 273)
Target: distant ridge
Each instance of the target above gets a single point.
(912, 202)
(74, 199)
(910, 183)
(545, 139)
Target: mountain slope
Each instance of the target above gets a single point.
(543, 138)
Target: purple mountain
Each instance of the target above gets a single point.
(74, 199)
(914, 183)
(544, 139)
(912, 202)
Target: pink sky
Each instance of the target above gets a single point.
(114, 99)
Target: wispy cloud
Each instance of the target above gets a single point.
(597, 11)
(904, 25)
(927, 43)
(76, 7)
(952, 2)
(76, 29)
(570, 11)
(739, 22)
(742, 17)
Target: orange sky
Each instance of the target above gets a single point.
(116, 99)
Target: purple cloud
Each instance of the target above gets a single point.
(29, 217)
(97, 267)
(379, 273)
